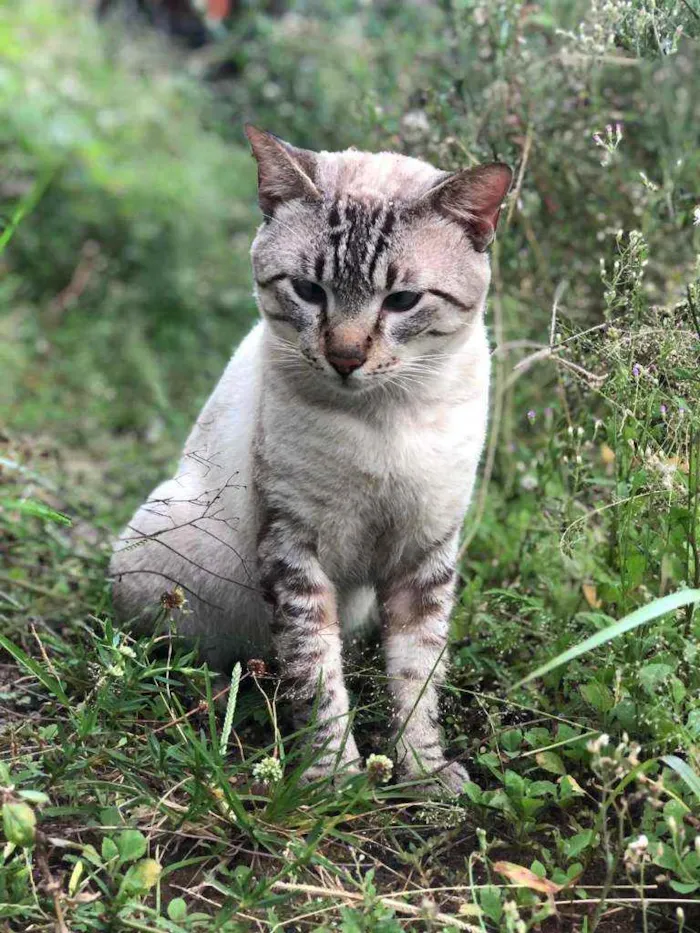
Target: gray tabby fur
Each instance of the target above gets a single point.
(308, 502)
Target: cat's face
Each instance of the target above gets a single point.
(370, 268)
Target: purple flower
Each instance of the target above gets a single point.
(663, 409)
(531, 415)
(636, 370)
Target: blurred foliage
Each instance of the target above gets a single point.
(128, 282)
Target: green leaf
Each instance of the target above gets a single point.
(473, 791)
(653, 610)
(34, 796)
(50, 682)
(515, 785)
(490, 902)
(569, 788)
(131, 845)
(177, 909)
(684, 887)
(551, 762)
(19, 823)
(598, 696)
(576, 844)
(684, 771)
(141, 877)
(542, 789)
(652, 675)
(511, 740)
(109, 849)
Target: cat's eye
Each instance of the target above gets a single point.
(401, 301)
(309, 291)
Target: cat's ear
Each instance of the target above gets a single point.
(284, 172)
(473, 197)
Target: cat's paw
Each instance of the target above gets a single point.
(446, 780)
(335, 771)
(452, 778)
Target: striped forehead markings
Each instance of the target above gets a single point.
(382, 242)
(358, 239)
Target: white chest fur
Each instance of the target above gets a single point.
(376, 487)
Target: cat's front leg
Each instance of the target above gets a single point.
(308, 642)
(417, 601)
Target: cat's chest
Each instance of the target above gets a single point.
(372, 491)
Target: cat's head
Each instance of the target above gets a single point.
(370, 265)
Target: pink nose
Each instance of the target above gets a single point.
(347, 362)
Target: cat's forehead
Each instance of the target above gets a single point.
(373, 176)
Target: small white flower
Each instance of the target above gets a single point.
(379, 769)
(268, 771)
(696, 216)
(641, 844)
(595, 745)
(415, 125)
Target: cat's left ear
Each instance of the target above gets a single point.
(473, 197)
(284, 172)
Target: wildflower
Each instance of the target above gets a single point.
(696, 216)
(175, 599)
(636, 370)
(379, 769)
(115, 670)
(126, 651)
(663, 409)
(415, 125)
(664, 467)
(648, 183)
(256, 667)
(595, 745)
(636, 852)
(531, 415)
(268, 771)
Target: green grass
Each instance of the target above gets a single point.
(137, 794)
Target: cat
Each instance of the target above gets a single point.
(325, 482)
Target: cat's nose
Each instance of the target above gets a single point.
(347, 361)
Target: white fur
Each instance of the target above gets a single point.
(413, 463)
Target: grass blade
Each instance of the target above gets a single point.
(50, 682)
(648, 613)
(684, 771)
(36, 510)
(25, 206)
(230, 708)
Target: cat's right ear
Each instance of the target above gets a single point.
(284, 172)
(473, 197)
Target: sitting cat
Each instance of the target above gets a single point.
(325, 482)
